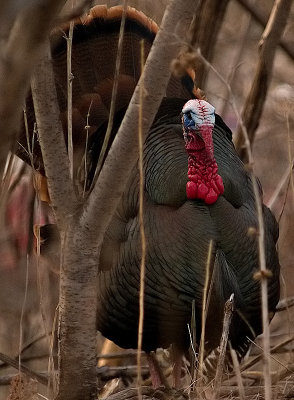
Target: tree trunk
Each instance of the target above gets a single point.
(77, 325)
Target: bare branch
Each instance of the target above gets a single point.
(274, 349)
(228, 313)
(53, 146)
(237, 373)
(284, 304)
(76, 12)
(142, 233)
(113, 94)
(208, 19)
(260, 17)
(255, 101)
(205, 302)
(15, 364)
(70, 78)
(263, 276)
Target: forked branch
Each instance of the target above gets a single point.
(267, 47)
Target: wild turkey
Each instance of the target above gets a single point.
(197, 192)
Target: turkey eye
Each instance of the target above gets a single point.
(189, 115)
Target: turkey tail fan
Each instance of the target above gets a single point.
(94, 53)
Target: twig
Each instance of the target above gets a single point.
(280, 186)
(107, 373)
(245, 25)
(75, 13)
(28, 358)
(193, 344)
(237, 373)
(253, 107)
(104, 373)
(209, 18)
(235, 109)
(263, 275)
(155, 370)
(204, 309)
(52, 376)
(125, 354)
(87, 127)
(260, 17)
(22, 171)
(70, 78)
(131, 394)
(284, 373)
(39, 280)
(4, 192)
(284, 304)
(15, 364)
(113, 94)
(22, 313)
(274, 349)
(142, 230)
(228, 313)
(271, 356)
(230, 391)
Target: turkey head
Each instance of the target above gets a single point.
(198, 123)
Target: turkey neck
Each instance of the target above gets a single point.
(204, 181)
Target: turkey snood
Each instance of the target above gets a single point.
(198, 122)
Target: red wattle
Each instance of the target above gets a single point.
(220, 184)
(211, 197)
(202, 191)
(191, 190)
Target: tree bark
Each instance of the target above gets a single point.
(77, 323)
(51, 138)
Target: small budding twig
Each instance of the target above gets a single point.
(228, 313)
